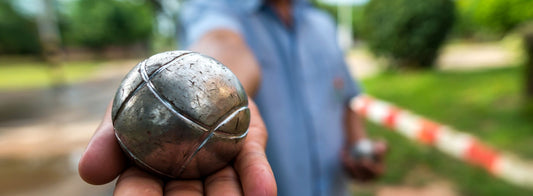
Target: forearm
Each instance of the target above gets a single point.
(354, 127)
(362, 158)
(229, 48)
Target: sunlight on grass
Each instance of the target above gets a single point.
(35, 74)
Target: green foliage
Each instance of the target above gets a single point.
(487, 104)
(100, 23)
(503, 15)
(495, 17)
(408, 32)
(17, 33)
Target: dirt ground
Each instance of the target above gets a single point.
(453, 57)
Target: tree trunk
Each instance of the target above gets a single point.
(528, 43)
(50, 40)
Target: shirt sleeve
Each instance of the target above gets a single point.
(198, 17)
(351, 86)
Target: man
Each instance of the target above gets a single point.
(298, 78)
(285, 55)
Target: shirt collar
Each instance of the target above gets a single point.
(254, 5)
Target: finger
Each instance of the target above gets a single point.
(251, 164)
(224, 182)
(103, 159)
(372, 167)
(137, 182)
(184, 187)
(350, 165)
(361, 172)
(380, 149)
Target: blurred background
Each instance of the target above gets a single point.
(465, 63)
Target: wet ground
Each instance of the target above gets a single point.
(44, 131)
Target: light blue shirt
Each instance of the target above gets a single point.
(304, 91)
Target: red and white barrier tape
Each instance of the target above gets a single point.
(455, 143)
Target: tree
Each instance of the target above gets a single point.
(18, 34)
(100, 23)
(528, 46)
(491, 18)
(408, 32)
(503, 15)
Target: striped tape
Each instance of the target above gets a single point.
(455, 143)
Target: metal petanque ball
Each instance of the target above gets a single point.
(181, 114)
(364, 149)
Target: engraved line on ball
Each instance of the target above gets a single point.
(139, 160)
(211, 132)
(166, 103)
(148, 81)
(170, 107)
(140, 85)
(230, 136)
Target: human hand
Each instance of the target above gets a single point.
(250, 173)
(365, 168)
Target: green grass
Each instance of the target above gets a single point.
(487, 104)
(28, 73)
